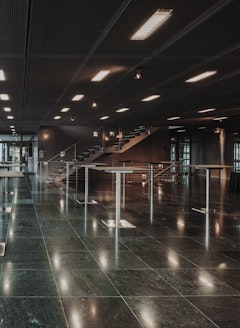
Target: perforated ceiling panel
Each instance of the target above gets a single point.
(50, 50)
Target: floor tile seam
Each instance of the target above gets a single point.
(234, 260)
(145, 263)
(120, 297)
(29, 296)
(91, 253)
(203, 314)
(52, 271)
(177, 291)
(185, 297)
(216, 278)
(131, 310)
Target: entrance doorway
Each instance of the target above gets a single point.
(22, 152)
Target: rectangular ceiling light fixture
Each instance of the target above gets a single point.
(173, 118)
(121, 110)
(77, 97)
(104, 118)
(150, 98)
(220, 118)
(201, 76)
(7, 109)
(100, 76)
(152, 24)
(2, 75)
(4, 96)
(206, 110)
(65, 109)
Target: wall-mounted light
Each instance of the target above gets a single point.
(218, 130)
(139, 73)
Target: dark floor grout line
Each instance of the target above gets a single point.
(49, 260)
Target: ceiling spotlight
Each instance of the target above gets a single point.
(139, 73)
(94, 104)
(72, 118)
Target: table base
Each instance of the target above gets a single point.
(92, 201)
(211, 210)
(122, 224)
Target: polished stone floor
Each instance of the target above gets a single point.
(64, 268)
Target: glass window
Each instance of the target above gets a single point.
(236, 154)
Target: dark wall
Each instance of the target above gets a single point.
(52, 140)
(212, 148)
(206, 149)
(206, 145)
(154, 148)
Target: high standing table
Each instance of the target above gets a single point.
(118, 171)
(8, 165)
(208, 169)
(87, 167)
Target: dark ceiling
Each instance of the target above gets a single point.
(51, 49)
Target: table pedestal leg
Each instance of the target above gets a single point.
(118, 223)
(86, 201)
(206, 210)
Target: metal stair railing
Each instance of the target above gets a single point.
(168, 174)
(84, 151)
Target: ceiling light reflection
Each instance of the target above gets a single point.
(103, 260)
(173, 260)
(56, 260)
(147, 317)
(205, 280)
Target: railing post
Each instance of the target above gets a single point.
(75, 151)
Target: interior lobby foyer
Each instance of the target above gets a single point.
(64, 268)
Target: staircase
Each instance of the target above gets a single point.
(130, 140)
(75, 155)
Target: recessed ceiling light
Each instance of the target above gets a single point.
(57, 117)
(173, 118)
(206, 110)
(104, 118)
(201, 76)
(77, 97)
(10, 117)
(100, 76)
(181, 130)
(65, 109)
(94, 104)
(7, 109)
(151, 98)
(121, 110)
(152, 24)
(4, 96)
(2, 75)
(202, 127)
(12, 126)
(220, 118)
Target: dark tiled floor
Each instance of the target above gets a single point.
(64, 268)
